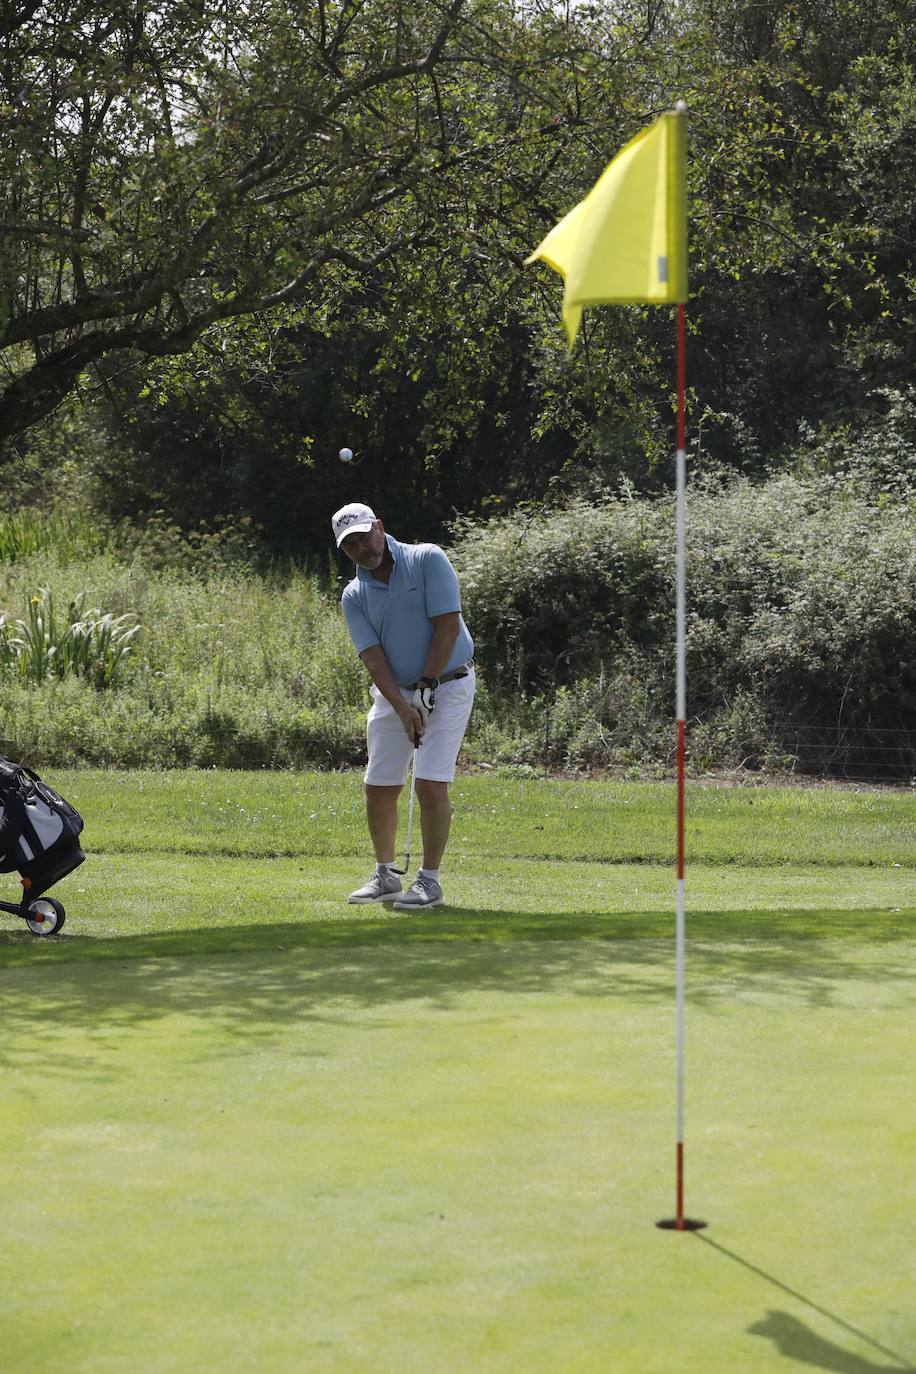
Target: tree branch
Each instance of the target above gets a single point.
(38, 229)
(396, 71)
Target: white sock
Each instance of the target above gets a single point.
(383, 868)
(430, 873)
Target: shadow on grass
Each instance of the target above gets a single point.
(465, 926)
(254, 980)
(796, 1341)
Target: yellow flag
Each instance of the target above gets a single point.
(626, 242)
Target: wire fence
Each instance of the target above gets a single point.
(851, 753)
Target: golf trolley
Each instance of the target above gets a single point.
(42, 915)
(38, 836)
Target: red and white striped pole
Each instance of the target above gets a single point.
(680, 1222)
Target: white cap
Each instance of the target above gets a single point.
(352, 519)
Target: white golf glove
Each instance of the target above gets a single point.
(426, 697)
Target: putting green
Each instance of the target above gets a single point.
(245, 1126)
(323, 1148)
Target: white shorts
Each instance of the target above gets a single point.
(390, 748)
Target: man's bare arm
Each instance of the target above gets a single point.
(445, 634)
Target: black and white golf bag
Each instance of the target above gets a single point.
(38, 829)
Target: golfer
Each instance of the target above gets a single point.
(403, 611)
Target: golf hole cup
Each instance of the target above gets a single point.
(346, 455)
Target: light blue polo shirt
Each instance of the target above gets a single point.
(396, 613)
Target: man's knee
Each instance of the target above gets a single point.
(433, 794)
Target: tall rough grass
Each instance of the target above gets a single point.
(66, 533)
(802, 617)
(230, 667)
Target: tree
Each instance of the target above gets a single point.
(311, 230)
(165, 167)
(444, 363)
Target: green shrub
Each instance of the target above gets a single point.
(875, 454)
(801, 621)
(804, 594)
(212, 547)
(551, 599)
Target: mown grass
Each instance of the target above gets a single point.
(440, 1156)
(319, 815)
(246, 1126)
(159, 905)
(212, 856)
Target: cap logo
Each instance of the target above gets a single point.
(351, 518)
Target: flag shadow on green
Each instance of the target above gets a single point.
(795, 1341)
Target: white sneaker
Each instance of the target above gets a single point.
(423, 892)
(381, 887)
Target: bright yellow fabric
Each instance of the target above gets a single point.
(626, 242)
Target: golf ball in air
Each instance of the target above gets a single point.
(346, 455)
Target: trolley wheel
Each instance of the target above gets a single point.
(46, 916)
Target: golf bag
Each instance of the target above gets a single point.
(38, 830)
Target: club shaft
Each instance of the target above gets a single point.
(413, 781)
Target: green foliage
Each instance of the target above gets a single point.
(65, 533)
(86, 643)
(551, 596)
(232, 666)
(875, 453)
(801, 603)
(383, 228)
(444, 366)
(159, 542)
(801, 600)
(170, 168)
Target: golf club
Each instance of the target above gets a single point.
(413, 779)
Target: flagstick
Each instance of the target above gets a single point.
(680, 1222)
(681, 726)
(646, 181)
